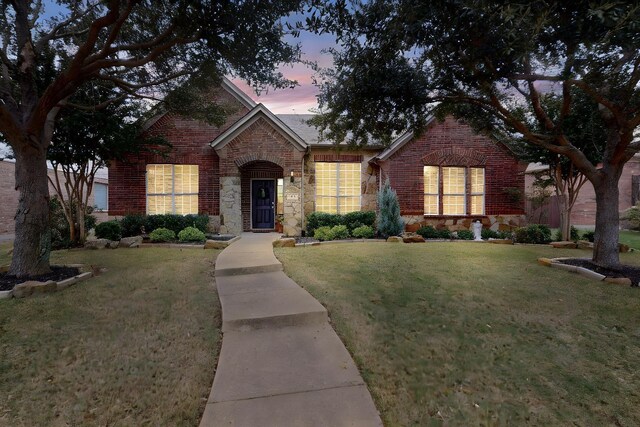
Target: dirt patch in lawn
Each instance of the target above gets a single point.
(58, 273)
(632, 272)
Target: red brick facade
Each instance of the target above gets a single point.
(190, 141)
(452, 143)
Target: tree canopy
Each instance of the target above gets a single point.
(489, 63)
(143, 48)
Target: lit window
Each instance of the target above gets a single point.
(338, 187)
(172, 189)
(450, 184)
(431, 192)
(477, 191)
(280, 197)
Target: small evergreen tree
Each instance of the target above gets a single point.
(389, 221)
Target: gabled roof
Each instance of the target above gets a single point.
(259, 111)
(242, 97)
(400, 142)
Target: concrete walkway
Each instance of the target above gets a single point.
(281, 363)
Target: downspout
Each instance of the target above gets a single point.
(302, 194)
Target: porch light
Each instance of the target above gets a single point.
(291, 175)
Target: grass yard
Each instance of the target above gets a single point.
(477, 334)
(136, 345)
(631, 238)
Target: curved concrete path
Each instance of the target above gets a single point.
(281, 363)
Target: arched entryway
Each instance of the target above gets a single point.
(261, 195)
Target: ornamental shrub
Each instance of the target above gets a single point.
(363, 232)
(389, 220)
(109, 230)
(632, 216)
(589, 235)
(428, 232)
(162, 235)
(340, 232)
(488, 233)
(191, 234)
(132, 225)
(321, 219)
(323, 233)
(465, 235)
(445, 233)
(201, 222)
(574, 235)
(534, 233)
(357, 219)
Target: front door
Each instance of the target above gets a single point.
(263, 199)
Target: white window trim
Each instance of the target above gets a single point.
(173, 193)
(337, 196)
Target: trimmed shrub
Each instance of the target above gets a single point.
(162, 235)
(632, 216)
(109, 230)
(132, 225)
(505, 235)
(445, 233)
(488, 233)
(340, 232)
(574, 235)
(534, 233)
(363, 232)
(201, 222)
(589, 235)
(357, 219)
(316, 220)
(389, 221)
(428, 232)
(323, 233)
(191, 234)
(465, 235)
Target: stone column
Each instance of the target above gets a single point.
(292, 207)
(230, 205)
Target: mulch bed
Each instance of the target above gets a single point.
(7, 282)
(306, 240)
(623, 270)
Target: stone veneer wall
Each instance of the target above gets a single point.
(494, 222)
(368, 174)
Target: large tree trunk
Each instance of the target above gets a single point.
(605, 251)
(32, 245)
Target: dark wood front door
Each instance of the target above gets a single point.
(263, 199)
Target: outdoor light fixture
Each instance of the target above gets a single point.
(291, 175)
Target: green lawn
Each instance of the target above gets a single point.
(134, 346)
(631, 238)
(478, 334)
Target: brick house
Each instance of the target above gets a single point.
(259, 166)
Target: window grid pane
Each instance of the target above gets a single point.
(431, 183)
(172, 189)
(477, 191)
(453, 205)
(477, 205)
(338, 187)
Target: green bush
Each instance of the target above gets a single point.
(316, 220)
(340, 232)
(534, 233)
(191, 234)
(110, 230)
(357, 219)
(488, 233)
(589, 235)
(323, 233)
(132, 225)
(363, 232)
(162, 235)
(201, 222)
(505, 235)
(574, 235)
(445, 234)
(428, 232)
(465, 235)
(632, 216)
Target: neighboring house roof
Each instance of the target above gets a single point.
(260, 111)
(536, 167)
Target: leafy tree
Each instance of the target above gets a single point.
(85, 140)
(489, 62)
(584, 127)
(144, 48)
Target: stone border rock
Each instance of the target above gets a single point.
(32, 287)
(555, 263)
